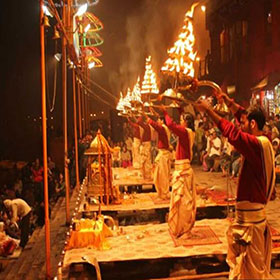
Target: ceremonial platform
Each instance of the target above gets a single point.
(144, 203)
(148, 251)
(144, 246)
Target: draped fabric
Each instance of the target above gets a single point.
(146, 161)
(183, 199)
(136, 153)
(249, 243)
(268, 160)
(162, 173)
(249, 237)
(191, 135)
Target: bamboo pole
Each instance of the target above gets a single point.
(75, 129)
(83, 98)
(65, 131)
(80, 111)
(83, 112)
(44, 135)
(87, 99)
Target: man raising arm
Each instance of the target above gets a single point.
(249, 240)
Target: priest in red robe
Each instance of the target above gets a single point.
(182, 208)
(249, 238)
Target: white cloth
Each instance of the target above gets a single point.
(249, 243)
(146, 161)
(217, 143)
(162, 173)
(249, 237)
(182, 208)
(18, 207)
(136, 153)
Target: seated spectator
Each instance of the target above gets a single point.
(275, 145)
(267, 131)
(129, 143)
(225, 158)
(7, 243)
(274, 129)
(60, 186)
(236, 167)
(116, 155)
(125, 157)
(37, 171)
(51, 164)
(214, 150)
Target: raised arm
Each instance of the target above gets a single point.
(155, 125)
(175, 128)
(246, 144)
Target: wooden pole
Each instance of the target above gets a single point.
(87, 99)
(75, 130)
(44, 135)
(65, 131)
(80, 111)
(83, 111)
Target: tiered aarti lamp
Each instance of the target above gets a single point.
(180, 64)
(135, 98)
(149, 88)
(149, 84)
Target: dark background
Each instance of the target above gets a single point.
(133, 29)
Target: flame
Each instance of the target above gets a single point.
(136, 92)
(182, 56)
(120, 103)
(149, 84)
(127, 99)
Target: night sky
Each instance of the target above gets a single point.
(133, 29)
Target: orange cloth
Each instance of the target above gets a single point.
(91, 234)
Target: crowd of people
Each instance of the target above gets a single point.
(22, 198)
(243, 144)
(213, 151)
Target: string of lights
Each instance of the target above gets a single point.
(103, 89)
(96, 96)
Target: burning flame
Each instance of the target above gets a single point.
(182, 56)
(127, 99)
(149, 84)
(120, 103)
(136, 92)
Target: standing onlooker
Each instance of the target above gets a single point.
(125, 157)
(197, 121)
(199, 140)
(19, 212)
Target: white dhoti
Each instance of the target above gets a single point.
(182, 208)
(162, 173)
(249, 243)
(146, 163)
(136, 159)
